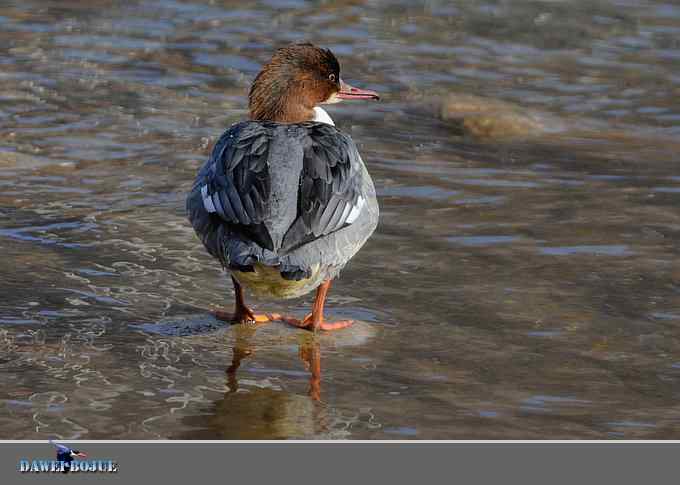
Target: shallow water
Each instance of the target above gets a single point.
(516, 287)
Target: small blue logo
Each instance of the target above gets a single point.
(68, 460)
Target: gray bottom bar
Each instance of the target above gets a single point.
(358, 463)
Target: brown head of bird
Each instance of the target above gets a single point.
(296, 79)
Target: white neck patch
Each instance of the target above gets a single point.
(321, 116)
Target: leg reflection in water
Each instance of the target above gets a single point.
(268, 399)
(309, 352)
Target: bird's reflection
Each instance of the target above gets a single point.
(309, 352)
(258, 409)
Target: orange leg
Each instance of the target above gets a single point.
(243, 314)
(315, 320)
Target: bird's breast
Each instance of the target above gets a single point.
(267, 281)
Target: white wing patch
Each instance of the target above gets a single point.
(322, 116)
(207, 200)
(356, 210)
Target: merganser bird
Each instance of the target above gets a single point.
(285, 200)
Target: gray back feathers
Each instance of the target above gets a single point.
(271, 189)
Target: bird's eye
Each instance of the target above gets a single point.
(332, 77)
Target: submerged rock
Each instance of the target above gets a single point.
(205, 324)
(489, 118)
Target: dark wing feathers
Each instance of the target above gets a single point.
(238, 182)
(330, 185)
(236, 185)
